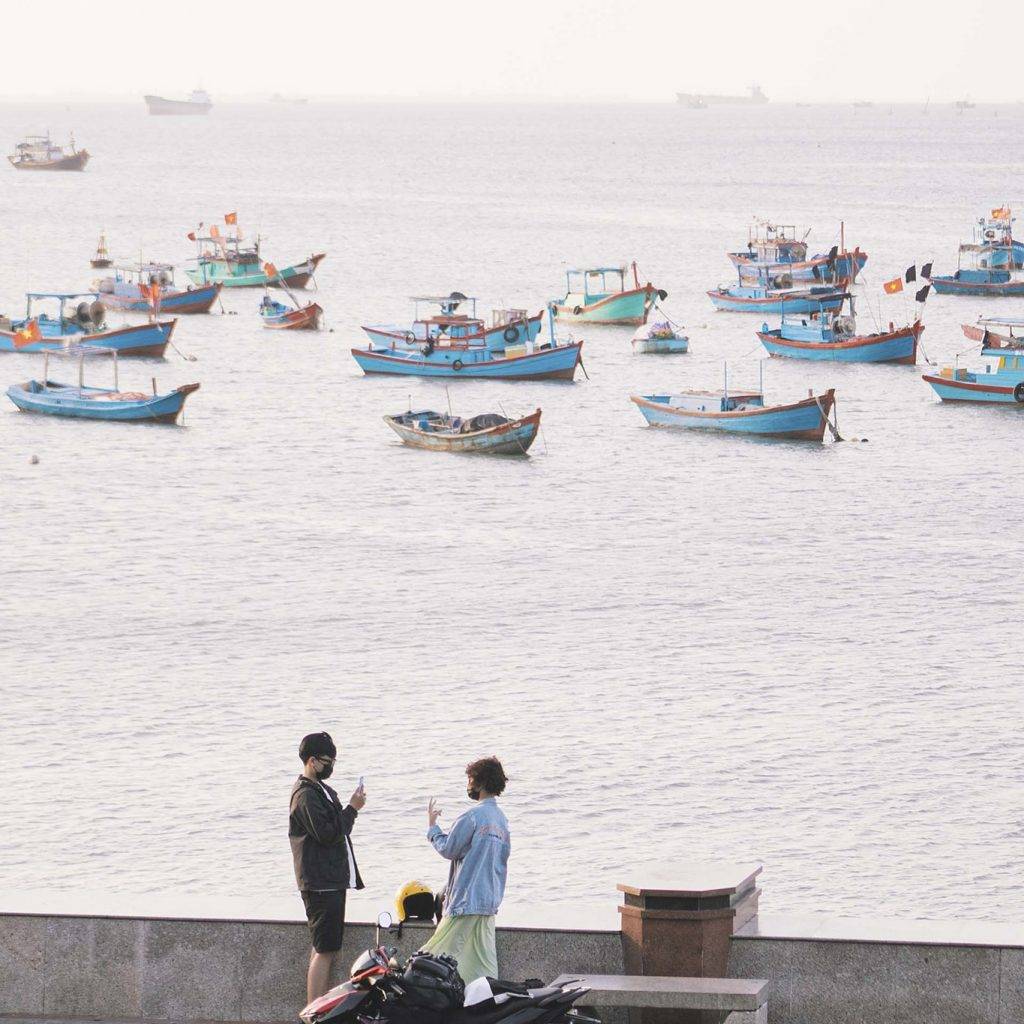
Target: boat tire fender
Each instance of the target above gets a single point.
(511, 334)
(457, 365)
(1018, 393)
(576, 310)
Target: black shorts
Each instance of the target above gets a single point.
(325, 912)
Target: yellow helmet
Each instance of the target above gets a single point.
(414, 902)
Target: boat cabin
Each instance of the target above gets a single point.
(585, 287)
(127, 277)
(86, 316)
(710, 401)
(39, 149)
(775, 243)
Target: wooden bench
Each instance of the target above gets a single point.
(745, 1000)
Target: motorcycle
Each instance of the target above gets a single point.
(428, 990)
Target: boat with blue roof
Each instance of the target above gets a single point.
(774, 293)
(776, 249)
(999, 379)
(604, 295)
(993, 257)
(79, 318)
(831, 335)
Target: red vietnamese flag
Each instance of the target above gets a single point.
(270, 270)
(28, 335)
(230, 218)
(893, 286)
(191, 236)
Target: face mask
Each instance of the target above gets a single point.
(472, 793)
(325, 773)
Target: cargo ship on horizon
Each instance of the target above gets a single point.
(699, 100)
(198, 103)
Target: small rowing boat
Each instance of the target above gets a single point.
(487, 433)
(278, 317)
(660, 337)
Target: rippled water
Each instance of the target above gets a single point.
(682, 646)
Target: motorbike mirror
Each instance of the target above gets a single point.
(384, 919)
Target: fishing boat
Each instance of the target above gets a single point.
(775, 294)
(993, 255)
(540, 362)
(699, 100)
(599, 295)
(508, 328)
(985, 330)
(659, 337)
(39, 153)
(225, 260)
(832, 335)
(741, 412)
(487, 433)
(130, 289)
(998, 380)
(278, 317)
(52, 398)
(198, 103)
(80, 318)
(102, 258)
(775, 249)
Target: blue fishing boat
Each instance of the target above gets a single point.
(543, 362)
(52, 398)
(776, 250)
(508, 329)
(993, 257)
(79, 322)
(738, 413)
(601, 295)
(1000, 377)
(832, 336)
(768, 296)
(129, 288)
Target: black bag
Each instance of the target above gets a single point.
(433, 983)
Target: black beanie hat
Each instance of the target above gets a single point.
(317, 744)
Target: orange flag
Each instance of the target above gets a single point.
(230, 218)
(214, 231)
(191, 236)
(28, 335)
(1001, 213)
(270, 270)
(893, 286)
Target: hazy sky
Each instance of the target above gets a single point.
(644, 50)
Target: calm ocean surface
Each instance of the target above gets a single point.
(682, 646)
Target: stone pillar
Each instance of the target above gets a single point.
(681, 925)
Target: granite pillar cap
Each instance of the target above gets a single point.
(695, 878)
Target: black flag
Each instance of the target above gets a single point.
(911, 274)
(833, 252)
(922, 293)
(926, 271)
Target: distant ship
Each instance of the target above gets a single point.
(698, 100)
(198, 103)
(278, 98)
(39, 153)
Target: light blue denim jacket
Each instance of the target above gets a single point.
(478, 846)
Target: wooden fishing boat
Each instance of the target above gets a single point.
(832, 336)
(225, 260)
(102, 258)
(738, 413)
(39, 153)
(278, 317)
(768, 297)
(488, 433)
(52, 398)
(599, 295)
(992, 256)
(79, 323)
(509, 328)
(984, 332)
(543, 362)
(661, 338)
(129, 289)
(998, 380)
(775, 249)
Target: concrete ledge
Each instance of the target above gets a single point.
(670, 993)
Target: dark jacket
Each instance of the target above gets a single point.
(319, 831)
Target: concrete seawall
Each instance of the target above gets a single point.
(190, 969)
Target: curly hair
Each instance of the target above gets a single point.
(488, 774)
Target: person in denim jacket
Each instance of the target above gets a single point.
(478, 845)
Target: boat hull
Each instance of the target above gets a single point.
(512, 438)
(198, 300)
(143, 340)
(158, 106)
(803, 421)
(544, 364)
(949, 389)
(219, 272)
(73, 162)
(305, 319)
(660, 346)
(847, 264)
(722, 300)
(70, 402)
(626, 308)
(996, 289)
(892, 347)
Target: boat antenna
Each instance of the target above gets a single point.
(451, 418)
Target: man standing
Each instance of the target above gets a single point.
(319, 830)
